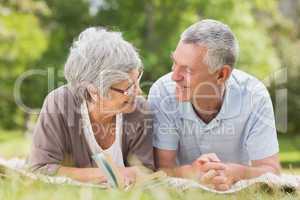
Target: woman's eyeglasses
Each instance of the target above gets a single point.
(130, 90)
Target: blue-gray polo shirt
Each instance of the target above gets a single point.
(243, 130)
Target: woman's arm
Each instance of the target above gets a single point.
(49, 146)
(95, 175)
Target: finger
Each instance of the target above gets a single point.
(213, 165)
(203, 160)
(213, 157)
(222, 187)
(218, 180)
(207, 177)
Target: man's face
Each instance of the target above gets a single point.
(191, 74)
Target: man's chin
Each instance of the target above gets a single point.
(182, 98)
(182, 95)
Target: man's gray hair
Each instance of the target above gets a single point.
(101, 58)
(221, 43)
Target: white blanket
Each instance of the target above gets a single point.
(285, 180)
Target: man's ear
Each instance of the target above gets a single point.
(223, 74)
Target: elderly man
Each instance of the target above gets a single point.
(212, 120)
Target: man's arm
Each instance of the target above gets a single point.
(258, 167)
(271, 163)
(236, 172)
(166, 161)
(226, 175)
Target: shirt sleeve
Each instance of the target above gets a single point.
(262, 138)
(165, 133)
(47, 150)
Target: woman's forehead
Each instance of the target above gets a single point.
(123, 83)
(132, 77)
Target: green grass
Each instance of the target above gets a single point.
(20, 188)
(290, 153)
(13, 144)
(13, 186)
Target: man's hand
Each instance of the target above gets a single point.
(207, 166)
(224, 179)
(213, 173)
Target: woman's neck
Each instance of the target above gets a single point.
(98, 117)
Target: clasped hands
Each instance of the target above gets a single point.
(210, 171)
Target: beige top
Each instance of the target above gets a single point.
(59, 141)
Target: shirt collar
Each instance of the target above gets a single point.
(231, 106)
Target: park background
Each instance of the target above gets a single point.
(35, 37)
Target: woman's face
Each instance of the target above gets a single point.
(122, 95)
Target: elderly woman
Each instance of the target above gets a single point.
(97, 111)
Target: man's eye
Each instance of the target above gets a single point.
(188, 71)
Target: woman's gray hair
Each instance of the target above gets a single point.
(101, 58)
(221, 43)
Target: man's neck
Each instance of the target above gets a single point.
(208, 108)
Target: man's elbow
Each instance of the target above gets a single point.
(277, 169)
(274, 168)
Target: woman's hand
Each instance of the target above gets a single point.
(129, 174)
(95, 175)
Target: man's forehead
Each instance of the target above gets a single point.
(187, 53)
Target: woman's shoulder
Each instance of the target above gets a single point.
(61, 97)
(61, 101)
(60, 93)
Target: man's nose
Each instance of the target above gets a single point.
(176, 76)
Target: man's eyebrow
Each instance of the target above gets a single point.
(172, 58)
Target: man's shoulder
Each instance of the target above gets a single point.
(162, 93)
(247, 83)
(164, 86)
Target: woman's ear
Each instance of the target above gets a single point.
(223, 74)
(93, 92)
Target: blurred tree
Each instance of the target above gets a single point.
(286, 38)
(20, 47)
